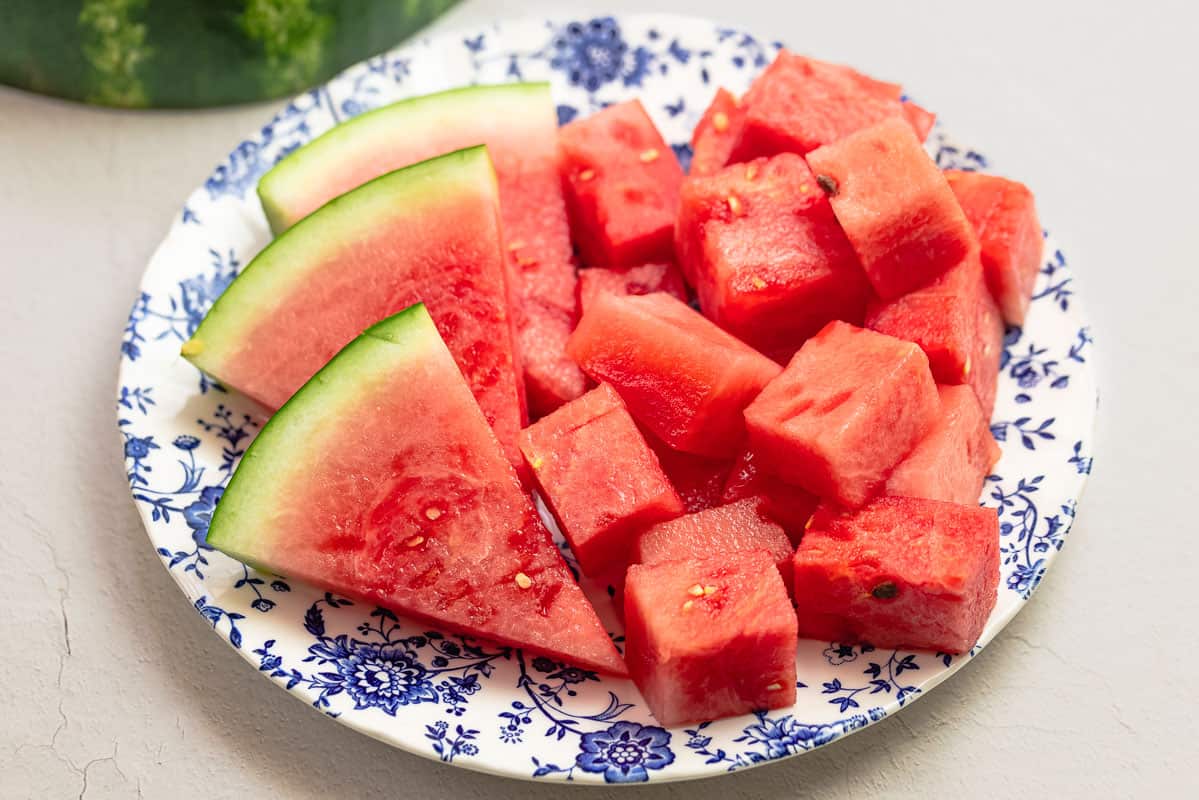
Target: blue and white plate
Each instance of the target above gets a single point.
(471, 703)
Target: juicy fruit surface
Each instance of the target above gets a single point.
(406, 501)
(847, 409)
(642, 279)
(716, 133)
(920, 119)
(622, 186)
(429, 233)
(900, 572)
(984, 376)
(598, 476)
(698, 480)
(698, 655)
(895, 206)
(682, 377)
(790, 505)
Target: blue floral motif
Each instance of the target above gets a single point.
(837, 653)
(198, 514)
(594, 53)
(775, 737)
(249, 160)
(1026, 538)
(625, 752)
(1029, 435)
(884, 678)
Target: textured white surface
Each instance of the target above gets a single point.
(1089, 692)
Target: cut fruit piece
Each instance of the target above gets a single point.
(740, 527)
(380, 480)
(798, 104)
(767, 257)
(984, 375)
(895, 206)
(698, 480)
(682, 377)
(955, 458)
(920, 119)
(1004, 215)
(429, 232)
(644, 279)
(901, 572)
(622, 187)
(786, 503)
(848, 408)
(713, 138)
(710, 638)
(519, 125)
(598, 477)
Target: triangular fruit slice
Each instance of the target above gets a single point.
(715, 134)
(428, 233)
(519, 125)
(380, 480)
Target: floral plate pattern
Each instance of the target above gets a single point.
(472, 703)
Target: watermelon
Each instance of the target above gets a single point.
(429, 232)
(380, 480)
(643, 279)
(622, 186)
(1004, 215)
(698, 480)
(956, 456)
(984, 374)
(770, 263)
(682, 377)
(920, 119)
(518, 124)
(790, 505)
(708, 638)
(715, 134)
(901, 572)
(598, 477)
(845, 411)
(895, 205)
(740, 527)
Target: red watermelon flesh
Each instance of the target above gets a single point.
(900, 572)
(920, 119)
(1004, 214)
(710, 638)
(622, 186)
(768, 259)
(643, 279)
(984, 372)
(598, 476)
(895, 206)
(682, 377)
(738, 527)
(380, 480)
(714, 136)
(954, 459)
(698, 480)
(848, 408)
(790, 505)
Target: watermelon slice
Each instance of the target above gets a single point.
(921, 120)
(1004, 215)
(770, 263)
(598, 476)
(643, 279)
(682, 377)
(790, 505)
(714, 136)
(430, 232)
(709, 638)
(984, 375)
(380, 480)
(895, 205)
(901, 572)
(698, 480)
(622, 187)
(518, 123)
(848, 408)
(954, 459)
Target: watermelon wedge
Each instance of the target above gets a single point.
(430, 233)
(643, 279)
(715, 134)
(380, 480)
(518, 123)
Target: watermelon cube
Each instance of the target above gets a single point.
(984, 375)
(895, 205)
(955, 458)
(710, 638)
(598, 477)
(786, 503)
(900, 572)
(682, 377)
(767, 257)
(622, 186)
(921, 120)
(643, 279)
(1004, 215)
(698, 480)
(717, 131)
(848, 408)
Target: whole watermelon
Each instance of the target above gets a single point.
(180, 53)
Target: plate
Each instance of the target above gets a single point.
(470, 703)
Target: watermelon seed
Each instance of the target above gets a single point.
(696, 591)
(514, 246)
(586, 174)
(758, 282)
(774, 687)
(808, 524)
(525, 263)
(537, 462)
(415, 541)
(885, 591)
(720, 121)
(433, 512)
(828, 184)
(734, 204)
(648, 156)
(523, 580)
(966, 369)
(751, 172)
(804, 188)
(709, 591)
(192, 347)
(687, 606)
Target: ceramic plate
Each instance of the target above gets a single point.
(470, 703)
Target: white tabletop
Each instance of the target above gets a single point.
(115, 687)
